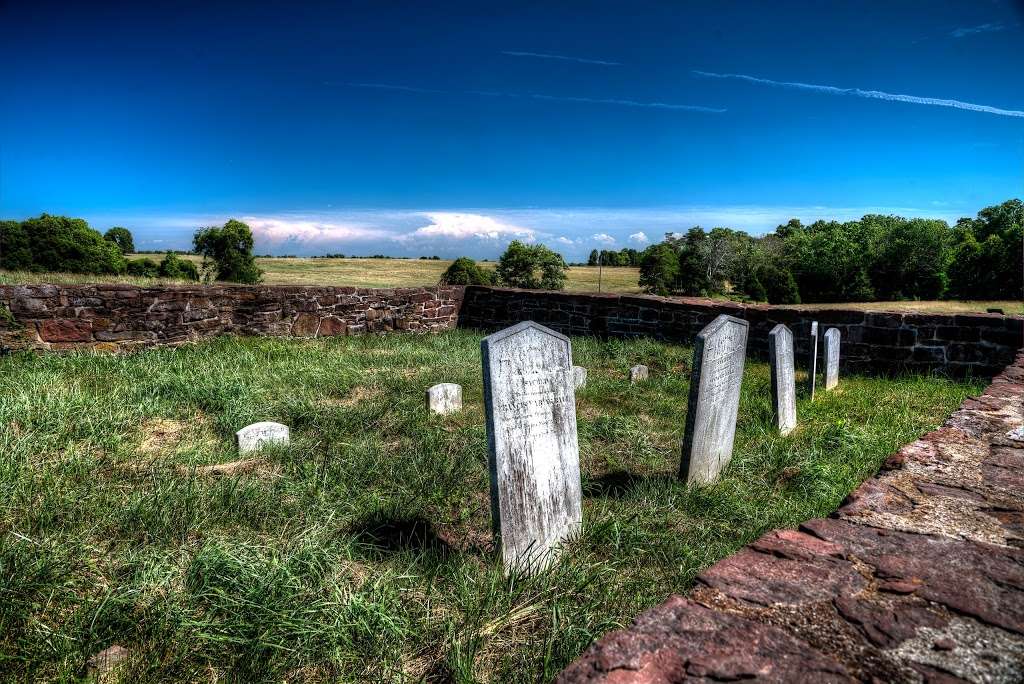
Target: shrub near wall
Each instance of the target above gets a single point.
(872, 342)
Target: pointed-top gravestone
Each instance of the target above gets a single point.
(718, 359)
(831, 358)
(812, 361)
(533, 449)
(254, 437)
(638, 373)
(579, 376)
(444, 398)
(780, 354)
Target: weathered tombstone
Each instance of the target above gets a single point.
(718, 359)
(812, 361)
(831, 358)
(445, 397)
(579, 377)
(256, 436)
(638, 373)
(533, 448)
(780, 354)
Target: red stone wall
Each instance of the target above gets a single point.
(918, 577)
(116, 317)
(873, 342)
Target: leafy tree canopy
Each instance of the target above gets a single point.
(532, 267)
(122, 237)
(227, 253)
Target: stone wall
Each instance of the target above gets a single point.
(116, 317)
(919, 576)
(872, 341)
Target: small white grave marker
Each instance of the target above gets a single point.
(831, 358)
(533, 449)
(256, 436)
(579, 376)
(444, 398)
(638, 373)
(780, 353)
(812, 360)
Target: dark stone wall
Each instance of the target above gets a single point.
(871, 341)
(117, 317)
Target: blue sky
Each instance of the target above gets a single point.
(452, 128)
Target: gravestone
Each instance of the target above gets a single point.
(812, 361)
(445, 397)
(638, 373)
(831, 358)
(532, 442)
(254, 437)
(780, 355)
(718, 359)
(579, 377)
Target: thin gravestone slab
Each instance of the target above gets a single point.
(258, 435)
(718, 359)
(579, 377)
(533, 447)
(444, 398)
(638, 373)
(831, 350)
(780, 356)
(812, 361)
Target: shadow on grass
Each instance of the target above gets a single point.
(385, 534)
(620, 483)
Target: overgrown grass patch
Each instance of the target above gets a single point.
(363, 551)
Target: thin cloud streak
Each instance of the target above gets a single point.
(566, 58)
(871, 94)
(539, 96)
(983, 28)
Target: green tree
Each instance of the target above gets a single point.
(659, 269)
(122, 237)
(59, 244)
(144, 267)
(173, 266)
(779, 285)
(465, 271)
(227, 253)
(531, 267)
(594, 256)
(987, 253)
(912, 258)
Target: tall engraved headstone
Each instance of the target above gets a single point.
(718, 358)
(531, 434)
(780, 354)
(831, 358)
(812, 361)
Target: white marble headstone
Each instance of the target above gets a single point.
(812, 360)
(780, 356)
(638, 373)
(445, 397)
(254, 437)
(531, 433)
(718, 359)
(831, 358)
(579, 376)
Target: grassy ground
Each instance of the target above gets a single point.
(363, 551)
(353, 272)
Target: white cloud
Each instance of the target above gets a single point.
(274, 231)
(459, 226)
(544, 55)
(564, 241)
(871, 94)
(983, 28)
(640, 237)
(603, 238)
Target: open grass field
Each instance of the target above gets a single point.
(363, 551)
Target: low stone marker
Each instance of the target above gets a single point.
(718, 359)
(579, 377)
(254, 437)
(812, 360)
(638, 373)
(444, 398)
(533, 449)
(780, 355)
(831, 358)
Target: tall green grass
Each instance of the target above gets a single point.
(363, 550)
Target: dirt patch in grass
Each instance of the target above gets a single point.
(356, 395)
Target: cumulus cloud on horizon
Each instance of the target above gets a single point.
(460, 226)
(639, 237)
(603, 238)
(276, 232)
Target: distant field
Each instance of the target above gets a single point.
(355, 273)
(413, 272)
